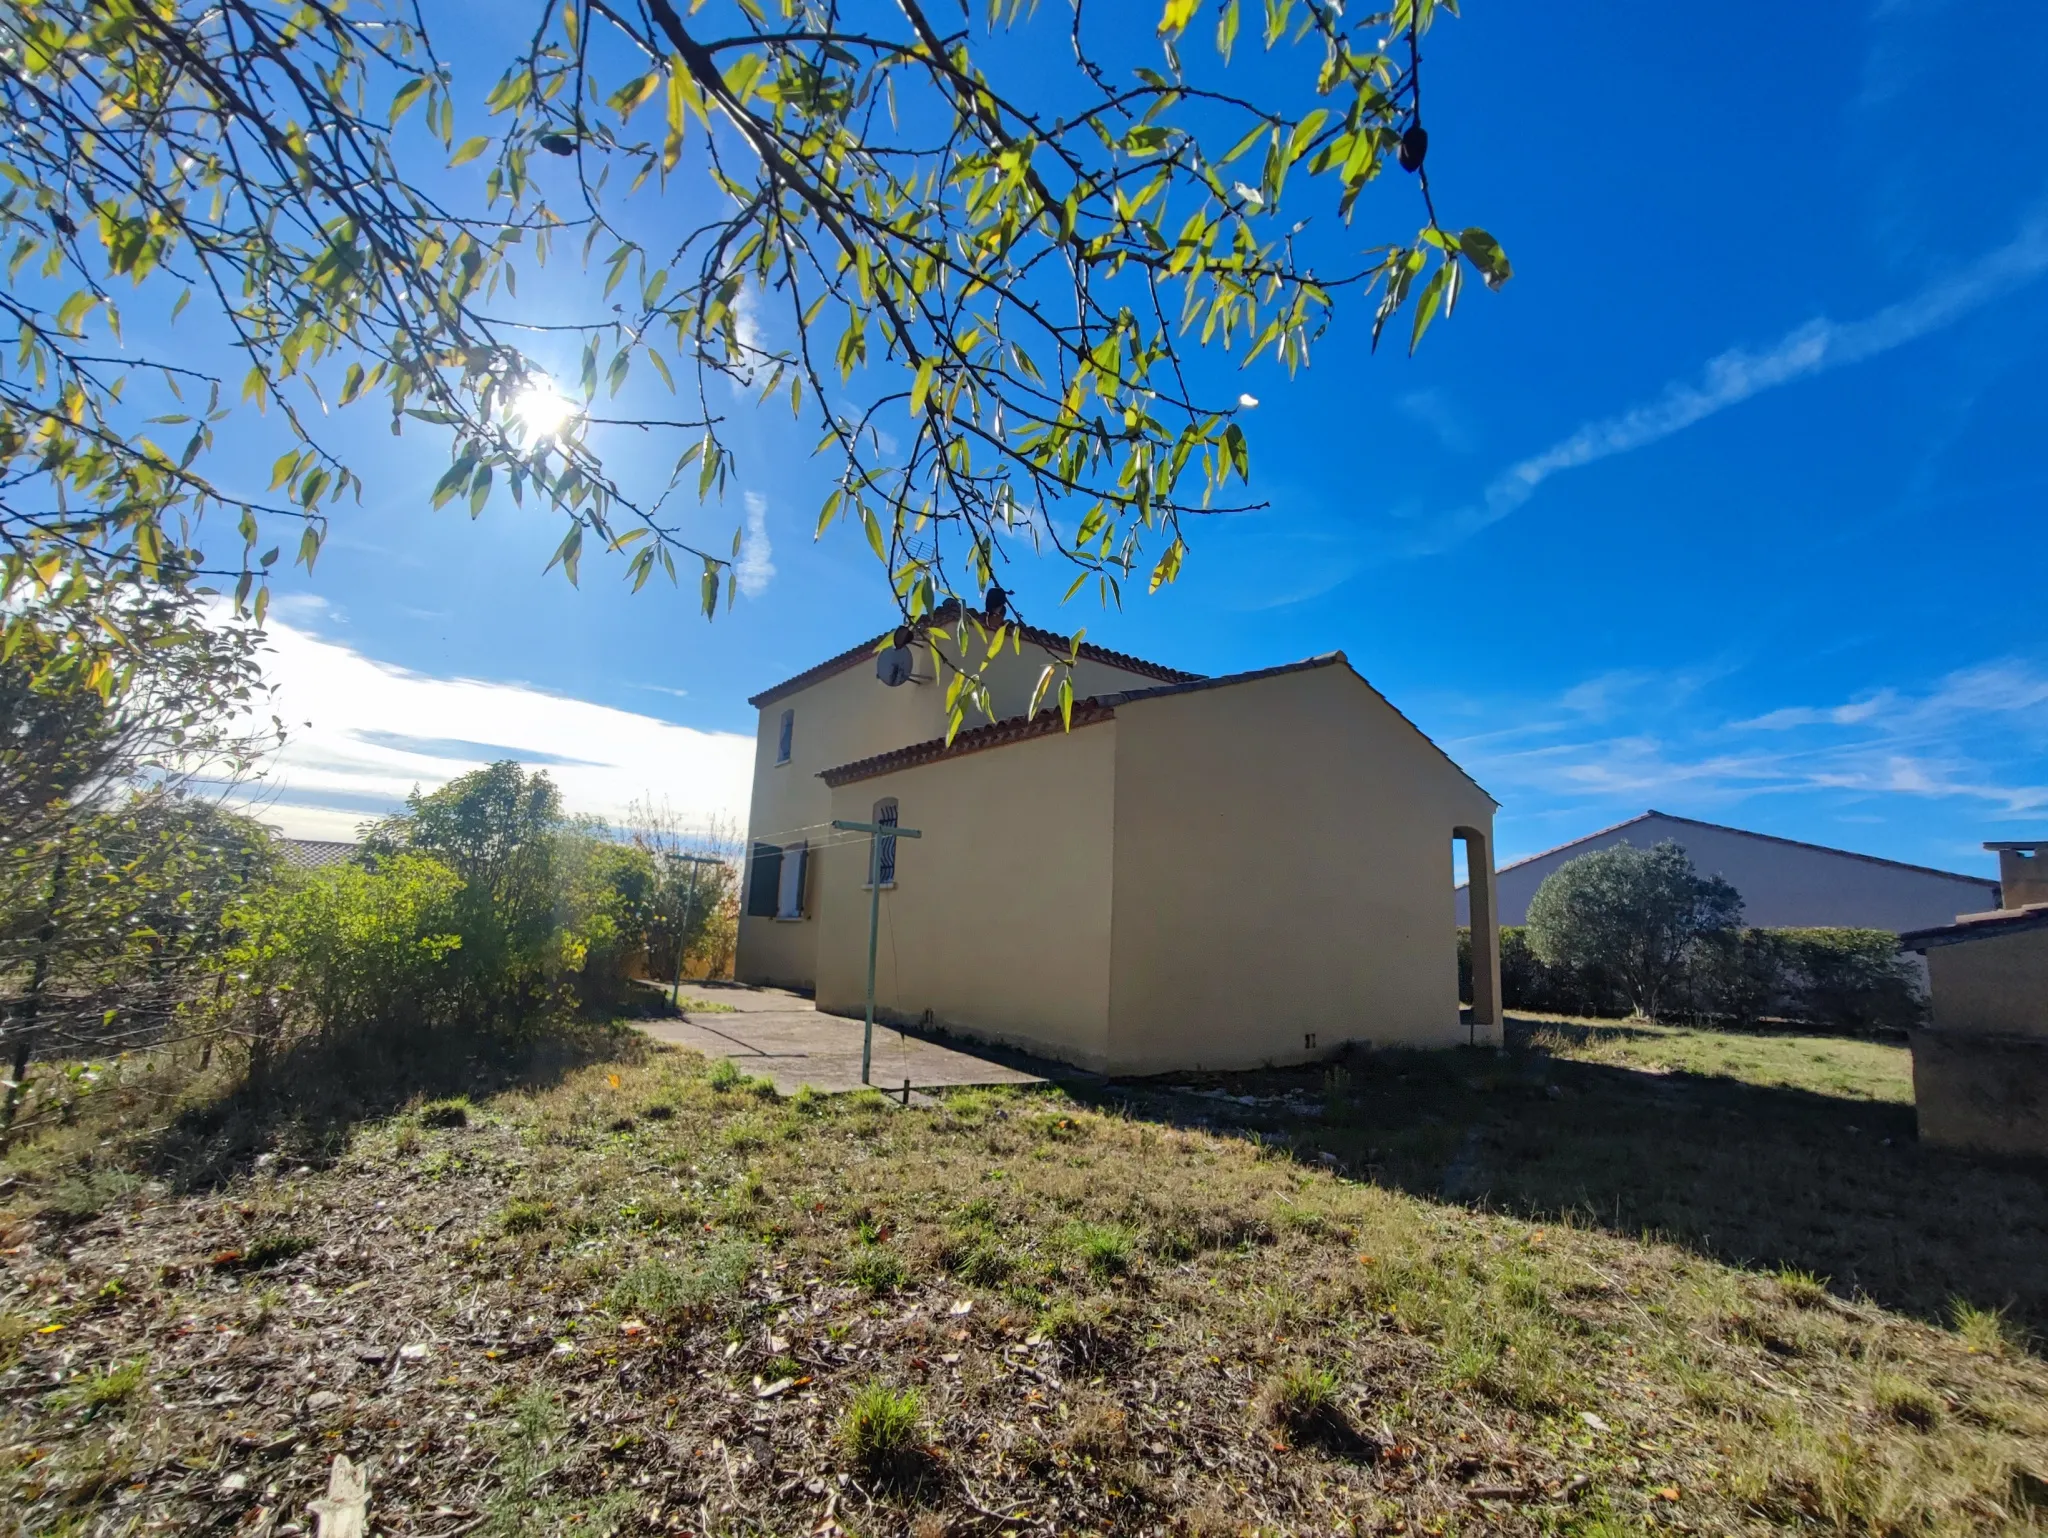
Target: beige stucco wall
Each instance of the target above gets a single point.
(1986, 1094)
(999, 920)
(852, 715)
(1283, 867)
(849, 715)
(1994, 986)
(1014, 673)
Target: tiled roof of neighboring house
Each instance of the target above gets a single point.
(312, 853)
(947, 613)
(1101, 707)
(1768, 838)
(1979, 926)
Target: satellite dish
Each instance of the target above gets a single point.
(893, 666)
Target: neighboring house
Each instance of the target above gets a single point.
(1201, 872)
(312, 853)
(1784, 884)
(1980, 1069)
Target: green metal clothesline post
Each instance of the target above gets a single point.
(875, 832)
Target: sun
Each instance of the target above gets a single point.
(543, 410)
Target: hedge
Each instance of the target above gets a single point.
(1840, 980)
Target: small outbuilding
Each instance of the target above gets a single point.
(1980, 1068)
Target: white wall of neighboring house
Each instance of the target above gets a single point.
(1784, 884)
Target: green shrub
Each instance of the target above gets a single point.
(345, 949)
(1826, 979)
(882, 1428)
(1851, 979)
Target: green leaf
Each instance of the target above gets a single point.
(874, 530)
(1487, 256)
(471, 148)
(409, 93)
(922, 385)
(1425, 307)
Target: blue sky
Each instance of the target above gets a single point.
(1730, 503)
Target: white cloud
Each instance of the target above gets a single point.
(364, 733)
(1738, 374)
(1974, 737)
(755, 568)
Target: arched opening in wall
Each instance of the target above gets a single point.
(1472, 860)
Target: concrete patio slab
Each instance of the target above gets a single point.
(785, 1038)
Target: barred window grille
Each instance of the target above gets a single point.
(885, 851)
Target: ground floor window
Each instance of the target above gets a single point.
(789, 896)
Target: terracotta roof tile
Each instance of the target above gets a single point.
(996, 734)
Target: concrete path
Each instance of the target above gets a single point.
(784, 1037)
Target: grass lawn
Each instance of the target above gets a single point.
(1413, 1296)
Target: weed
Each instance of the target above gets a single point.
(665, 1290)
(405, 1142)
(874, 1269)
(983, 1263)
(1084, 1331)
(807, 1101)
(1903, 1400)
(1104, 1248)
(1986, 1331)
(725, 1074)
(1299, 1398)
(881, 1430)
(101, 1389)
(1304, 1220)
(527, 1217)
(1802, 1288)
(452, 1112)
(81, 1197)
(530, 1448)
(1099, 1431)
(14, 1329)
(271, 1250)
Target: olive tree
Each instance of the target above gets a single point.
(976, 249)
(1638, 916)
(117, 860)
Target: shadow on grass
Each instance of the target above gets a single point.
(314, 1095)
(1756, 1175)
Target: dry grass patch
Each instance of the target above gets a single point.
(754, 1316)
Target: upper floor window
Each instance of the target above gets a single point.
(885, 843)
(785, 735)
